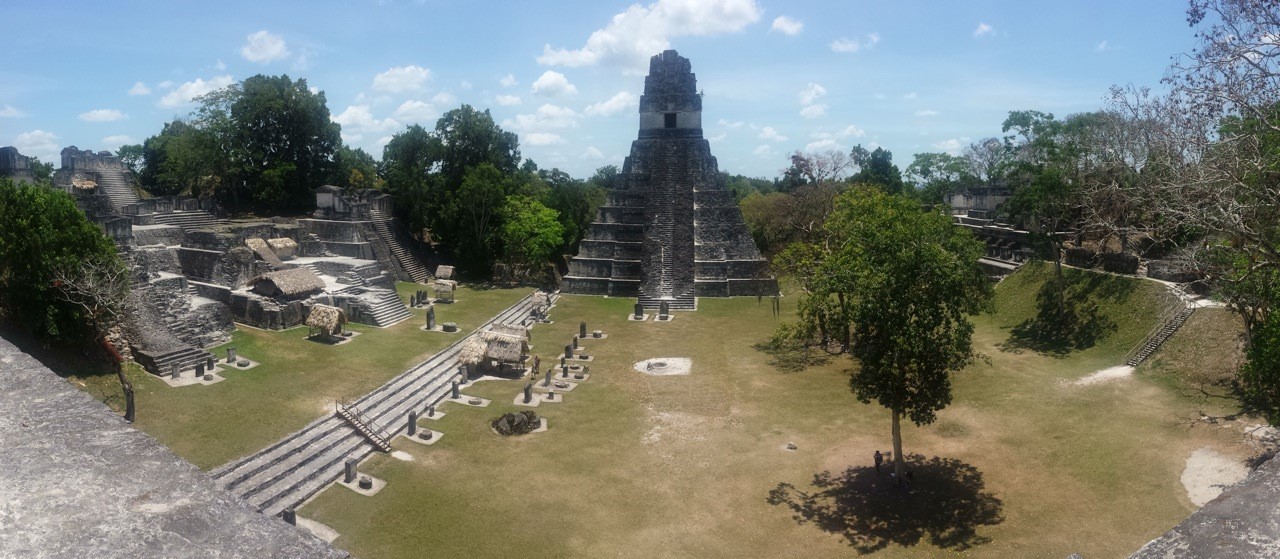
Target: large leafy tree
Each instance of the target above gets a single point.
(531, 234)
(913, 279)
(876, 168)
(933, 176)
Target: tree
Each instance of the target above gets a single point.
(99, 287)
(356, 170)
(575, 201)
(876, 168)
(182, 158)
(934, 176)
(531, 234)
(132, 155)
(43, 172)
(914, 280)
(477, 207)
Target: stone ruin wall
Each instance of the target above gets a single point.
(15, 165)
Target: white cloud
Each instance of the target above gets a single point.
(401, 79)
(219, 65)
(507, 100)
(763, 150)
(952, 146)
(718, 137)
(823, 145)
(414, 111)
(592, 153)
(508, 80)
(844, 45)
(546, 117)
(444, 98)
(1103, 47)
(811, 93)
(139, 88)
(771, 135)
(814, 111)
(852, 130)
(787, 26)
(263, 47)
(114, 142)
(465, 85)
(165, 84)
(103, 115)
(727, 124)
(184, 94)
(542, 139)
(911, 95)
(926, 113)
(982, 29)
(620, 102)
(641, 31)
(357, 119)
(553, 84)
(38, 143)
(9, 112)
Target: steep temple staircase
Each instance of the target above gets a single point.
(365, 426)
(408, 262)
(117, 188)
(670, 162)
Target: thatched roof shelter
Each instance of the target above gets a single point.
(444, 289)
(502, 343)
(290, 284)
(472, 351)
(444, 272)
(284, 247)
(509, 330)
(328, 320)
(540, 299)
(264, 252)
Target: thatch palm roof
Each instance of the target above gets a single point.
(504, 347)
(264, 252)
(472, 351)
(294, 282)
(328, 319)
(540, 299)
(445, 286)
(284, 247)
(508, 330)
(444, 272)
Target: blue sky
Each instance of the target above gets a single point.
(778, 76)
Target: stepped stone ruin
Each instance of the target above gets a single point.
(669, 229)
(15, 165)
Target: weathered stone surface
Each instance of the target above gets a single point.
(1119, 262)
(518, 423)
(1081, 257)
(77, 481)
(1243, 522)
(669, 228)
(1171, 270)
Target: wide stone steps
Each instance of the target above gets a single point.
(1167, 331)
(187, 357)
(389, 310)
(408, 262)
(117, 189)
(681, 303)
(364, 427)
(302, 464)
(188, 220)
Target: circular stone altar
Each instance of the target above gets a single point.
(665, 366)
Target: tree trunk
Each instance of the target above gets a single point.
(898, 463)
(129, 409)
(1057, 267)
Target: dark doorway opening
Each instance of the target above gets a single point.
(669, 120)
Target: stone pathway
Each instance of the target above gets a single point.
(290, 471)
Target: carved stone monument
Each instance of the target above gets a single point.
(349, 470)
(670, 228)
(528, 393)
(413, 423)
(431, 317)
(231, 355)
(582, 329)
(454, 391)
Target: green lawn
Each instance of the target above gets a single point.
(210, 425)
(642, 466)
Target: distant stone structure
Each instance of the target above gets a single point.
(15, 165)
(669, 229)
(87, 172)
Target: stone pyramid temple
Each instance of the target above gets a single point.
(669, 229)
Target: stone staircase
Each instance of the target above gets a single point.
(388, 309)
(363, 425)
(1160, 336)
(117, 188)
(161, 363)
(188, 220)
(408, 261)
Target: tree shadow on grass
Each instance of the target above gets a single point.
(1075, 323)
(945, 505)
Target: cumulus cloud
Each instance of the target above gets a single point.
(787, 26)
(38, 143)
(263, 47)
(184, 94)
(507, 100)
(414, 111)
(952, 146)
(553, 84)
(444, 98)
(771, 135)
(911, 95)
(811, 93)
(103, 115)
(508, 80)
(592, 153)
(763, 150)
(357, 120)
(401, 79)
(845, 44)
(982, 29)
(542, 139)
(9, 112)
(823, 145)
(926, 113)
(728, 124)
(872, 39)
(853, 131)
(165, 85)
(219, 66)
(620, 102)
(634, 35)
(139, 88)
(718, 137)
(1103, 47)
(546, 117)
(813, 111)
(114, 142)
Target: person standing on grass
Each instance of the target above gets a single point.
(879, 458)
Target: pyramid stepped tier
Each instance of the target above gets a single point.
(669, 229)
(407, 260)
(188, 220)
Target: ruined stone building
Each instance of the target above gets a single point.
(669, 229)
(16, 166)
